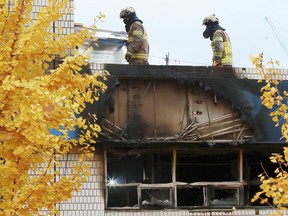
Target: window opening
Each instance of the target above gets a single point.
(122, 196)
(156, 197)
(187, 196)
(222, 197)
(142, 178)
(206, 165)
(129, 170)
(253, 166)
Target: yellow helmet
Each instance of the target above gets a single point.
(126, 12)
(210, 19)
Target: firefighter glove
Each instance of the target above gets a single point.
(217, 63)
(128, 56)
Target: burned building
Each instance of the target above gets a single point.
(184, 140)
(175, 140)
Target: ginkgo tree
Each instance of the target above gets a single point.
(36, 98)
(275, 187)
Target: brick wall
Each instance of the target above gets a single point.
(251, 73)
(90, 199)
(66, 22)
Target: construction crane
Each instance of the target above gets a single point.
(274, 29)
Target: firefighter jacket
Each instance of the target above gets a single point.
(138, 44)
(221, 47)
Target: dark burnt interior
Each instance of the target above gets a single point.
(129, 168)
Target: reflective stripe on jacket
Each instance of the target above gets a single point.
(221, 47)
(138, 41)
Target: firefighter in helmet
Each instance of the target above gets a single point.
(221, 45)
(138, 46)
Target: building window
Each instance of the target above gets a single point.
(159, 178)
(189, 196)
(256, 161)
(153, 197)
(210, 178)
(204, 165)
(131, 174)
(122, 196)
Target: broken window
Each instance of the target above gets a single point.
(130, 169)
(142, 166)
(175, 178)
(216, 167)
(254, 164)
(156, 197)
(204, 165)
(122, 196)
(189, 196)
(217, 196)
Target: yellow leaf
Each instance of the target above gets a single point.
(18, 151)
(275, 119)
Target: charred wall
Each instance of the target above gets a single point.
(173, 103)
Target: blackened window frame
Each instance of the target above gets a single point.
(174, 185)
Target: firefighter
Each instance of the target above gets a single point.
(221, 45)
(138, 46)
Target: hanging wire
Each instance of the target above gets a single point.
(274, 29)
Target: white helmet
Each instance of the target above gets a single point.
(210, 19)
(126, 12)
